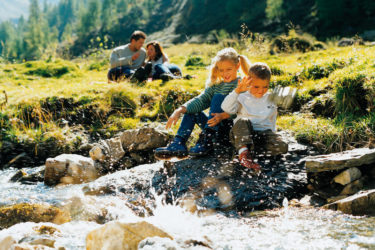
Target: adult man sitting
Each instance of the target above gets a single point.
(127, 58)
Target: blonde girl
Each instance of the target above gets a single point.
(223, 78)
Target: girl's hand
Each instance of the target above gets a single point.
(173, 119)
(243, 85)
(217, 118)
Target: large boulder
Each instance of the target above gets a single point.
(11, 215)
(121, 236)
(359, 204)
(70, 169)
(143, 139)
(109, 150)
(336, 161)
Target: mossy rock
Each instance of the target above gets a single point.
(19, 213)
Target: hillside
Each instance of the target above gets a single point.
(14, 9)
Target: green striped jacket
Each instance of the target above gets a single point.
(203, 101)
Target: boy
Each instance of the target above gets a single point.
(255, 124)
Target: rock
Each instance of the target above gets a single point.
(117, 236)
(337, 161)
(353, 187)
(226, 186)
(358, 204)
(158, 243)
(11, 215)
(350, 41)
(372, 172)
(25, 246)
(143, 139)
(7, 242)
(283, 96)
(347, 176)
(109, 150)
(69, 169)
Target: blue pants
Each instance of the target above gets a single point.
(166, 68)
(189, 120)
(119, 73)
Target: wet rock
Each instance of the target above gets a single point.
(358, 204)
(109, 150)
(69, 169)
(7, 242)
(341, 160)
(143, 139)
(222, 185)
(38, 242)
(11, 215)
(28, 178)
(347, 176)
(25, 246)
(353, 187)
(158, 243)
(116, 235)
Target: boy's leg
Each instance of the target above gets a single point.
(273, 143)
(241, 136)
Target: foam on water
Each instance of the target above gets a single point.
(286, 228)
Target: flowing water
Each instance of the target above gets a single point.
(285, 228)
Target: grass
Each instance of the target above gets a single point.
(44, 101)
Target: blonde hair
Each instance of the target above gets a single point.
(229, 54)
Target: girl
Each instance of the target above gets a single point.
(158, 61)
(222, 80)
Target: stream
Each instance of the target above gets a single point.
(285, 228)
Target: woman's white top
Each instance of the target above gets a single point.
(261, 111)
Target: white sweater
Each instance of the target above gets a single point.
(261, 111)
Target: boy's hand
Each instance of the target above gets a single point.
(217, 118)
(243, 85)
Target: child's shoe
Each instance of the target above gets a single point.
(247, 162)
(176, 148)
(204, 144)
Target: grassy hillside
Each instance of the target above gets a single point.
(55, 106)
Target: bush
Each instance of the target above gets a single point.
(195, 61)
(50, 69)
(316, 71)
(172, 99)
(351, 95)
(123, 102)
(288, 44)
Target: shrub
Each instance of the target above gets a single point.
(316, 71)
(50, 69)
(195, 61)
(123, 102)
(351, 94)
(172, 99)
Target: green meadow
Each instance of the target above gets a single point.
(55, 106)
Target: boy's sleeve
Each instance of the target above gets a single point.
(230, 103)
(199, 103)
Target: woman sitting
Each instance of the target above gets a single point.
(157, 63)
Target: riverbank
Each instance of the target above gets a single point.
(55, 106)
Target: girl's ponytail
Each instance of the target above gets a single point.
(245, 64)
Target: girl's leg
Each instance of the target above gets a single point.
(174, 69)
(209, 134)
(159, 70)
(178, 146)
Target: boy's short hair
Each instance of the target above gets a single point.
(137, 35)
(261, 70)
